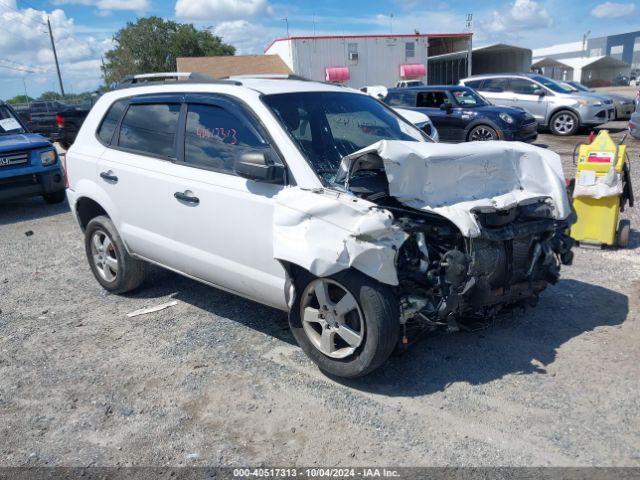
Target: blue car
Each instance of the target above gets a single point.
(29, 164)
(460, 114)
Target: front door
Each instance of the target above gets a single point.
(447, 122)
(222, 223)
(525, 96)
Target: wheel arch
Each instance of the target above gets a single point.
(563, 108)
(482, 121)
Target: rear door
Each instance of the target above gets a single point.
(222, 224)
(523, 90)
(495, 90)
(136, 170)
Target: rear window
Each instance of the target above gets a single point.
(473, 83)
(110, 121)
(150, 128)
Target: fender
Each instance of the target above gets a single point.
(483, 121)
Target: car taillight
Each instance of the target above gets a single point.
(59, 121)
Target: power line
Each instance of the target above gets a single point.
(22, 19)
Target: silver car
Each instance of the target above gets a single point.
(634, 121)
(623, 104)
(555, 106)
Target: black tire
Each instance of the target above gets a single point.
(623, 233)
(55, 197)
(482, 133)
(564, 123)
(130, 272)
(378, 304)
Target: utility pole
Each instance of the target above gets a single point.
(55, 56)
(286, 21)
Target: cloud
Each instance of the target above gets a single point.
(105, 6)
(613, 10)
(221, 10)
(78, 54)
(247, 37)
(520, 16)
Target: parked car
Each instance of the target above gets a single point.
(461, 115)
(29, 165)
(57, 121)
(419, 119)
(634, 121)
(559, 108)
(624, 105)
(318, 200)
(409, 83)
(621, 80)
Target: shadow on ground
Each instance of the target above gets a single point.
(522, 344)
(35, 208)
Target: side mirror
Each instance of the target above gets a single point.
(446, 106)
(541, 92)
(256, 165)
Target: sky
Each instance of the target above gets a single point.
(83, 29)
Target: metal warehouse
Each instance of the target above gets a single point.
(359, 60)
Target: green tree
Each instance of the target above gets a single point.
(18, 99)
(152, 44)
(48, 96)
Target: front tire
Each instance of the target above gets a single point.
(564, 123)
(108, 258)
(348, 323)
(482, 133)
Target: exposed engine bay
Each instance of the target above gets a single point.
(449, 280)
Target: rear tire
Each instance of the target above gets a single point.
(111, 264)
(372, 320)
(564, 123)
(482, 133)
(55, 197)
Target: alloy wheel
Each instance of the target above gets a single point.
(564, 123)
(482, 134)
(104, 255)
(331, 318)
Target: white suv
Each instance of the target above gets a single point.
(320, 201)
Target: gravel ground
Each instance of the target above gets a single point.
(217, 380)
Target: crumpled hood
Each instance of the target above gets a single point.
(456, 180)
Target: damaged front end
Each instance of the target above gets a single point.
(485, 226)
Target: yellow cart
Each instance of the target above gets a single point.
(602, 188)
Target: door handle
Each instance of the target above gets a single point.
(109, 176)
(187, 197)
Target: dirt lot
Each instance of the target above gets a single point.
(217, 380)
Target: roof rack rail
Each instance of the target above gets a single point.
(271, 76)
(145, 79)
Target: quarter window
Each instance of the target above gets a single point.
(215, 138)
(150, 128)
(110, 122)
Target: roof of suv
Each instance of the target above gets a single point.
(427, 88)
(494, 75)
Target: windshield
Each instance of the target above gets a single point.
(468, 98)
(9, 124)
(551, 84)
(327, 126)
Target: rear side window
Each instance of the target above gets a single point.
(110, 121)
(150, 128)
(215, 138)
(522, 85)
(401, 99)
(496, 85)
(431, 99)
(473, 83)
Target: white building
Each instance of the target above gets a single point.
(360, 60)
